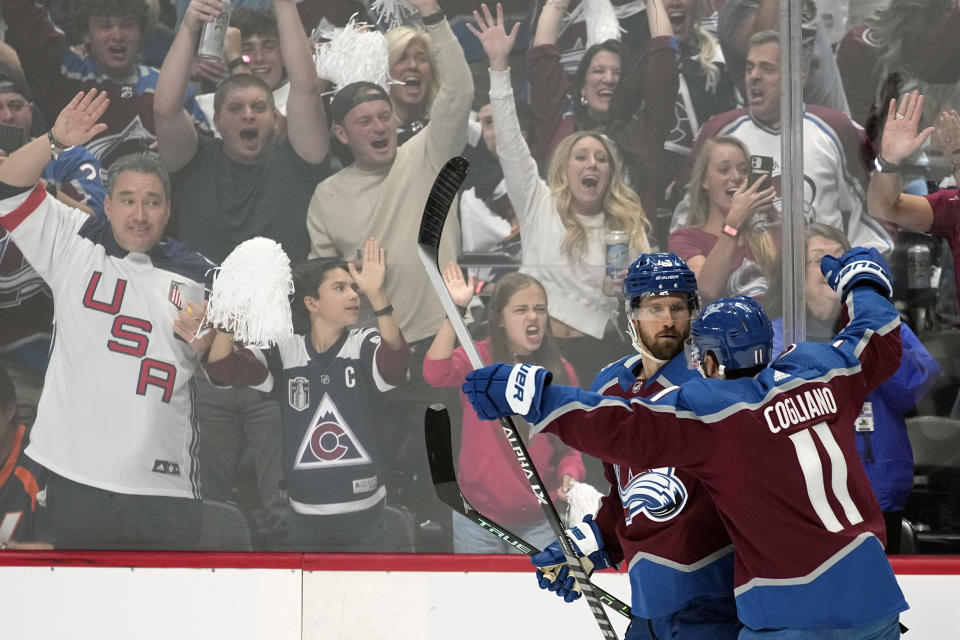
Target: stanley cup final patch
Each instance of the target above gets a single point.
(174, 295)
(180, 293)
(298, 393)
(521, 385)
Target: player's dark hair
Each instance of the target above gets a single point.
(8, 394)
(136, 9)
(548, 355)
(254, 22)
(240, 81)
(733, 374)
(142, 162)
(307, 278)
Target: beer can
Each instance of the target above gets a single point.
(919, 267)
(214, 33)
(617, 252)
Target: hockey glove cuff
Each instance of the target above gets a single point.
(553, 574)
(859, 266)
(501, 390)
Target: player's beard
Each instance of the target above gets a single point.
(663, 344)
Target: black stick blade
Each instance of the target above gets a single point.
(441, 197)
(436, 425)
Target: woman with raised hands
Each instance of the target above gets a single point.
(564, 220)
(628, 96)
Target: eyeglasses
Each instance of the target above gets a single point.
(818, 257)
(655, 311)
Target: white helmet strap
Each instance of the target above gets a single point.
(638, 343)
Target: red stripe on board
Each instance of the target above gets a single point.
(925, 565)
(435, 562)
(448, 563)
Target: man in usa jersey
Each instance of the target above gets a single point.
(114, 424)
(774, 447)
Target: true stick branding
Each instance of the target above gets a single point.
(504, 535)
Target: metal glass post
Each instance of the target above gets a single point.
(793, 260)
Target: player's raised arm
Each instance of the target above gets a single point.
(77, 123)
(872, 328)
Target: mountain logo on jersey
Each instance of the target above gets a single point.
(298, 393)
(658, 493)
(329, 441)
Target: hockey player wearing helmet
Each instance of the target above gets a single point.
(773, 446)
(659, 520)
(733, 338)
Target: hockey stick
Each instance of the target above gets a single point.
(438, 203)
(436, 423)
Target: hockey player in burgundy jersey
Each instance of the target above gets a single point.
(773, 446)
(661, 520)
(327, 382)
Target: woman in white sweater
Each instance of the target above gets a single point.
(563, 221)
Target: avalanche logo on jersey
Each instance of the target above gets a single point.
(658, 493)
(329, 441)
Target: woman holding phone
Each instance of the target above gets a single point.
(728, 247)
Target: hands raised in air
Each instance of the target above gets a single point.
(497, 42)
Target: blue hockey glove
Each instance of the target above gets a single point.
(553, 573)
(857, 267)
(501, 390)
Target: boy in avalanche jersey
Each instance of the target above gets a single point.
(326, 382)
(661, 520)
(774, 448)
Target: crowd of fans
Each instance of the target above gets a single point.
(664, 133)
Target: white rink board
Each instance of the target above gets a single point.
(148, 604)
(289, 604)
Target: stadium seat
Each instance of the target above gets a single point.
(401, 529)
(224, 527)
(944, 346)
(934, 504)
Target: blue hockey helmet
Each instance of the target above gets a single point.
(737, 332)
(658, 274)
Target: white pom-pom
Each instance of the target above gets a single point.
(251, 293)
(354, 53)
(392, 12)
(583, 499)
(601, 21)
